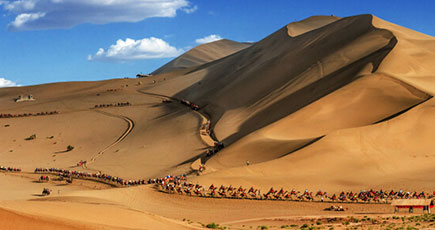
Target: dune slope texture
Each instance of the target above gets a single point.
(202, 54)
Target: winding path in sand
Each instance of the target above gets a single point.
(124, 135)
(205, 137)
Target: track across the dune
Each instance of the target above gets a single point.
(207, 138)
(124, 135)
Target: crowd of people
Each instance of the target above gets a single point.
(375, 196)
(120, 104)
(9, 115)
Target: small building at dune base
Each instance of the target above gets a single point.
(411, 204)
(24, 98)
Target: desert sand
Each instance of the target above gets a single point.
(327, 103)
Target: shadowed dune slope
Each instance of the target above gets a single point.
(397, 153)
(280, 74)
(344, 108)
(202, 54)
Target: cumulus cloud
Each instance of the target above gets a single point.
(208, 39)
(130, 49)
(55, 14)
(6, 82)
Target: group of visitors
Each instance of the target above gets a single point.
(120, 104)
(106, 178)
(10, 169)
(190, 104)
(9, 115)
(215, 148)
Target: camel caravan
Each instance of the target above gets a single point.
(9, 169)
(166, 100)
(370, 196)
(120, 104)
(218, 146)
(101, 177)
(190, 104)
(9, 115)
(180, 185)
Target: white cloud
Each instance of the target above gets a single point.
(130, 49)
(190, 10)
(55, 14)
(7, 83)
(22, 19)
(208, 39)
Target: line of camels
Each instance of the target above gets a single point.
(230, 192)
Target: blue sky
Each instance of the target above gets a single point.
(44, 41)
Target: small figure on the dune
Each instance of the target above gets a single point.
(248, 163)
(46, 192)
(201, 168)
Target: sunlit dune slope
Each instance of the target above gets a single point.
(202, 54)
(71, 215)
(162, 140)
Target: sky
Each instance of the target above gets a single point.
(43, 41)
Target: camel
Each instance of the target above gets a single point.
(333, 198)
(198, 192)
(44, 179)
(222, 193)
(212, 193)
(46, 192)
(243, 194)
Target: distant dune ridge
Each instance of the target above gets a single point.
(202, 54)
(324, 103)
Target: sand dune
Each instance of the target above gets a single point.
(202, 54)
(324, 103)
(267, 102)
